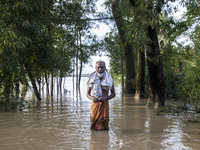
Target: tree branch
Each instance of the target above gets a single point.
(71, 20)
(160, 3)
(132, 3)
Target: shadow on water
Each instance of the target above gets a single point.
(64, 123)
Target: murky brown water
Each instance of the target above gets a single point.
(65, 124)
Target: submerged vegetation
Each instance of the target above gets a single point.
(188, 111)
(14, 103)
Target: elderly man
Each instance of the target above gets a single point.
(99, 84)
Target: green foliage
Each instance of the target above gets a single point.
(169, 109)
(172, 81)
(36, 38)
(14, 104)
(173, 64)
(23, 40)
(191, 55)
(180, 62)
(113, 46)
(189, 89)
(194, 119)
(192, 15)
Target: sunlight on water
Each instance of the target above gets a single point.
(64, 123)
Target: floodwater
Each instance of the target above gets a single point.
(64, 124)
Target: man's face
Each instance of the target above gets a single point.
(100, 67)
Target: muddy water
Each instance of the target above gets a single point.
(65, 124)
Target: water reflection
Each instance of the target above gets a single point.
(147, 129)
(174, 137)
(99, 140)
(64, 123)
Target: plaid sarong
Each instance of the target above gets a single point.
(99, 115)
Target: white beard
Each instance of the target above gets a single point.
(100, 75)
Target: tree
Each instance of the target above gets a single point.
(140, 85)
(127, 47)
(113, 47)
(189, 88)
(37, 39)
(26, 38)
(19, 39)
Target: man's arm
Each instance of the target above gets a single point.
(111, 95)
(94, 99)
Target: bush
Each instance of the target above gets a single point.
(190, 87)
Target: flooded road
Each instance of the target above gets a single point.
(64, 124)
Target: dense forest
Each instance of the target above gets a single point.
(40, 40)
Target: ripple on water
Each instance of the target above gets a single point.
(65, 124)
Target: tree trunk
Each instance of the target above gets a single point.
(7, 89)
(77, 52)
(139, 93)
(39, 84)
(155, 69)
(42, 85)
(122, 70)
(73, 74)
(60, 84)
(37, 94)
(77, 71)
(51, 85)
(17, 89)
(80, 72)
(128, 51)
(57, 87)
(81, 62)
(47, 85)
(156, 73)
(24, 90)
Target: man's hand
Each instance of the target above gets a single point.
(103, 99)
(94, 99)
